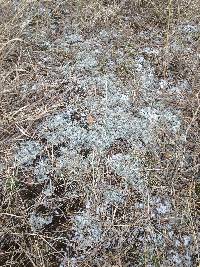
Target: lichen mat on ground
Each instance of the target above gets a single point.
(99, 133)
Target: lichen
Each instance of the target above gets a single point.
(38, 221)
(88, 230)
(27, 152)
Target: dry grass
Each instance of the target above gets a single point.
(169, 167)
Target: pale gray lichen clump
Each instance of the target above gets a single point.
(59, 129)
(42, 170)
(88, 230)
(38, 221)
(114, 119)
(146, 73)
(115, 116)
(27, 152)
(128, 167)
(113, 196)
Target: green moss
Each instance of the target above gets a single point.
(12, 184)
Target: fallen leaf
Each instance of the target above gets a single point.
(90, 120)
